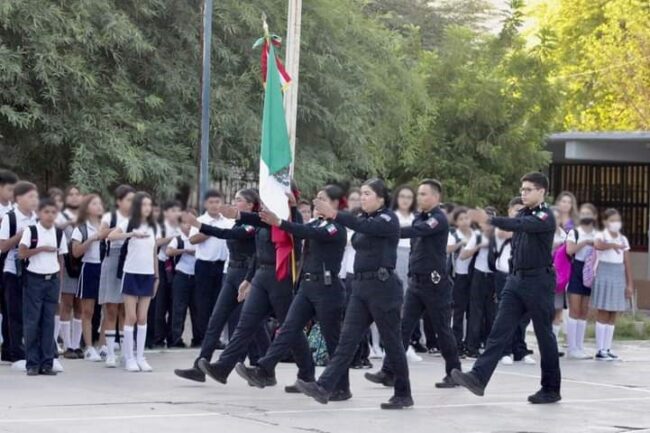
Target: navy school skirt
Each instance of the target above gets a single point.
(575, 283)
(88, 287)
(137, 284)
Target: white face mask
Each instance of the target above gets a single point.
(615, 226)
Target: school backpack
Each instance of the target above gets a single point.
(123, 252)
(72, 263)
(451, 258)
(180, 245)
(317, 346)
(12, 232)
(589, 269)
(562, 265)
(33, 241)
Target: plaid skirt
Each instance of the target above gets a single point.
(608, 291)
(110, 287)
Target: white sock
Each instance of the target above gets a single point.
(65, 334)
(581, 327)
(600, 335)
(571, 329)
(110, 343)
(76, 334)
(57, 327)
(374, 332)
(127, 350)
(142, 337)
(609, 337)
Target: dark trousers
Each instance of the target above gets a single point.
(267, 296)
(313, 299)
(533, 294)
(40, 300)
(430, 332)
(482, 308)
(434, 300)
(461, 292)
(163, 308)
(518, 349)
(227, 306)
(208, 277)
(14, 301)
(363, 349)
(183, 287)
(371, 301)
(4, 352)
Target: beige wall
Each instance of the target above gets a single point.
(640, 265)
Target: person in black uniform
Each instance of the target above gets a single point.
(377, 294)
(263, 295)
(429, 288)
(320, 293)
(529, 289)
(241, 247)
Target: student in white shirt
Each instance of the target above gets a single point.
(86, 240)
(56, 194)
(613, 285)
(140, 275)
(42, 245)
(8, 180)
(11, 230)
(162, 303)
(559, 239)
(580, 245)
(462, 279)
(211, 255)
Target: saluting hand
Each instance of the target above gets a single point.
(270, 218)
(324, 208)
(190, 219)
(228, 211)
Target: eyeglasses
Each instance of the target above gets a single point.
(527, 190)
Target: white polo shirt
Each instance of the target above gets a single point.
(481, 263)
(503, 261)
(44, 263)
(170, 232)
(347, 264)
(462, 265)
(92, 254)
(612, 256)
(106, 219)
(583, 252)
(213, 248)
(22, 222)
(140, 252)
(5, 208)
(186, 262)
(405, 221)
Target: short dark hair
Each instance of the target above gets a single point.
(23, 187)
(122, 191)
(46, 202)
(538, 179)
(458, 212)
(435, 184)
(54, 192)
(8, 177)
(304, 202)
(170, 204)
(515, 201)
(491, 210)
(610, 213)
(448, 207)
(211, 193)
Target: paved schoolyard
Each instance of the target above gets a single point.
(598, 397)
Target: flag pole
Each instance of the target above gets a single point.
(293, 66)
(204, 152)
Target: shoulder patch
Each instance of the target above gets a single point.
(432, 222)
(385, 217)
(541, 215)
(331, 229)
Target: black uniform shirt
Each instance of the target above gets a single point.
(324, 244)
(375, 239)
(429, 234)
(240, 239)
(532, 241)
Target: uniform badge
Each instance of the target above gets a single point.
(432, 222)
(323, 223)
(249, 229)
(331, 229)
(541, 215)
(385, 217)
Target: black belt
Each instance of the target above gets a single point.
(315, 277)
(238, 264)
(434, 277)
(533, 272)
(382, 274)
(46, 277)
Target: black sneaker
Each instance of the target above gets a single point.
(602, 356)
(313, 390)
(341, 395)
(47, 372)
(70, 354)
(469, 381)
(434, 351)
(419, 347)
(178, 345)
(398, 403)
(292, 389)
(255, 376)
(545, 397)
(32, 371)
(472, 354)
(212, 370)
(366, 364)
(447, 382)
(381, 378)
(190, 374)
(80, 353)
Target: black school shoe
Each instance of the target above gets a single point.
(469, 381)
(418, 347)
(545, 397)
(70, 354)
(47, 372)
(380, 378)
(80, 353)
(341, 395)
(193, 374)
(396, 402)
(292, 389)
(313, 390)
(255, 376)
(447, 382)
(213, 370)
(32, 371)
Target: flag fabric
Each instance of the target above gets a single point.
(275, 162)
(275, 41)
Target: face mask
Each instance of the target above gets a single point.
(586, 221)
(615, 227)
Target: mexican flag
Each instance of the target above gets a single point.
(275, 161)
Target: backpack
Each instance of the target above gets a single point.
(562, 265)
(33, 241)
(494, 254)
(123, 252)
(180, 244)
(73, 264)
(589, 270)
(451, 258)
(317, 346)
(12, 232)
(105, 246)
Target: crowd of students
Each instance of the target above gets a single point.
(78, 275)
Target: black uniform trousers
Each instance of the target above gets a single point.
(313, 299)
(533, 294)
(434, 300)
(163, 311)
(208, 277)
(227, 306)
(363, 350)
(13, 286)
(267, 296)
(40, 301)
(482, 309)
(518, 349)
(371, 301)
(461, 292)
(4, 352)
(184, 293)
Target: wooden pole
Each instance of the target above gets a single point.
(293, 67)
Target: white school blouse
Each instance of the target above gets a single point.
(140, 252)
(583, 252)
(612, 256)
(92, 254)
(44, 263)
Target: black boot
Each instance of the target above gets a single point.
(313, 390)
(469, 381)
(447, 382)
(193, 373)
(213, 370)
(381, 378)
(255, 376)
(396, 402)
(544, 396)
